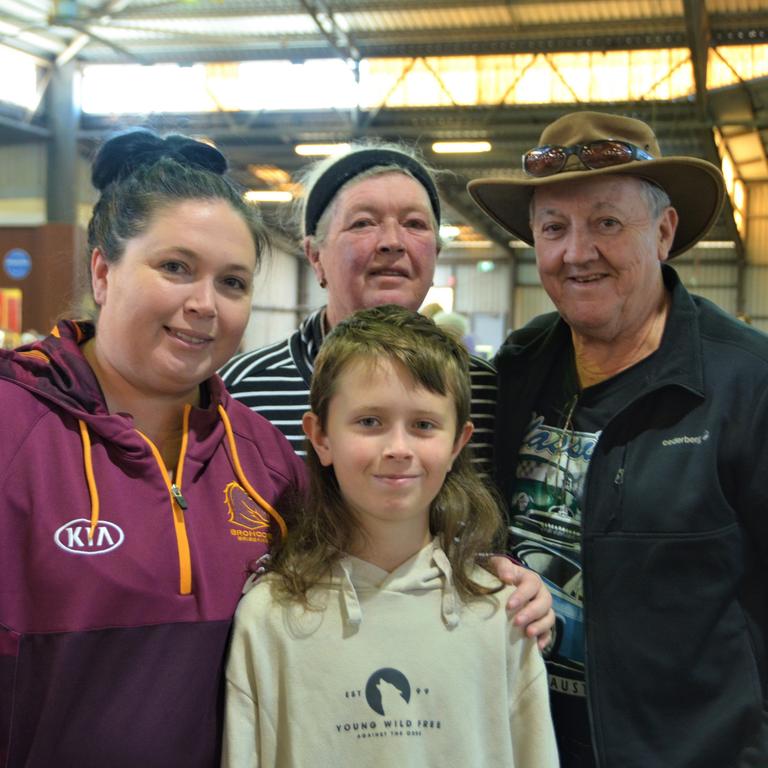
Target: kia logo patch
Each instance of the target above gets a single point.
(73, 537)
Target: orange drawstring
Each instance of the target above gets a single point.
(185, 557)
(86, 438)
(36, 353)
(184, 442)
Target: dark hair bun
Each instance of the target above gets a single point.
(121, 155)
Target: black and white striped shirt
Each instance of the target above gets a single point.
(274, 381)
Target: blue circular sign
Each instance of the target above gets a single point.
(17, 263)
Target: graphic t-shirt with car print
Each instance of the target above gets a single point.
(546, 509)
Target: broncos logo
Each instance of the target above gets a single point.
(243, 510)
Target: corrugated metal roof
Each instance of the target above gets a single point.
(112, 31)
(202, 27)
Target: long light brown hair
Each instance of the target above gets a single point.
(464, 514)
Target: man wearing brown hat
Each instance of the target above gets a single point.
(631, 448)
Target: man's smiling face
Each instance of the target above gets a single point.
(598, 249)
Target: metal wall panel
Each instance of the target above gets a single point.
(87, 194)
(24, 170)
(529, 302)
(526, 273)
(706, 279)
(266, 327)
(314, 295)
(486, 292)
(756, 293)
(710, 253)
(274, 300)
(22, 211)
(757, 223)
(725, 298)
(22, 192)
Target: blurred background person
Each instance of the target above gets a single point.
(457, 325)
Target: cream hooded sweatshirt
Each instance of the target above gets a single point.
(393, 671)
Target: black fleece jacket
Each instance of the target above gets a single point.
(674, 539)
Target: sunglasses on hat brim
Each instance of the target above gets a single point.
(551, 158)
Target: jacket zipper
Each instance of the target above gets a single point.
(616, 483)
(585, 602)
(178, 496)
(178, 505)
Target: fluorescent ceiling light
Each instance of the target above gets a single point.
(271, 175)
(470, 244)
(268, 196)
(308, 150)
(715, 244)
(457, 147)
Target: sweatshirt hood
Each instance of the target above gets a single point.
(55, 370)
(429, 569)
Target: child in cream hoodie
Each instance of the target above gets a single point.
(376, 639)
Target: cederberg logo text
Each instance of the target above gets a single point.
(73, 537)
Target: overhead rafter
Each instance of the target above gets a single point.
(19, 129)
(698, 31)
(699, 39)
(339, 40)
(101, 16)
(192, 31)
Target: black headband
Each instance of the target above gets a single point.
(353, 164)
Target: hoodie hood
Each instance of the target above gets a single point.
(428, 570)
(56, 372)
(55, 369)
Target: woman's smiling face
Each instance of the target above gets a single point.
(174, 307)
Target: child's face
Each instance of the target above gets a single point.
(391, 444)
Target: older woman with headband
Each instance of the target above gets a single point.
(134, 492)
(369, 224)
(369, 220)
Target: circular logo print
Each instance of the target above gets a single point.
(387, 688)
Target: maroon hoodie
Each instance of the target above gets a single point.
(117, 587)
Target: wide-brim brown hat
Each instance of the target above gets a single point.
(695, 187)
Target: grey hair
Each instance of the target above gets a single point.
(655, 196)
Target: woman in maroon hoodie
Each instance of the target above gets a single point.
(134, 492)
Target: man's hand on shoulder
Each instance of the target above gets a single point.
(531, 603)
